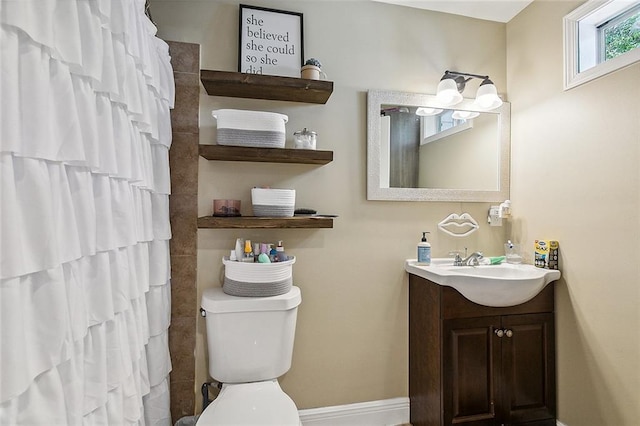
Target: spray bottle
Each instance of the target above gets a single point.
(424, 250)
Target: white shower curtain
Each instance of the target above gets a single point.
(85, 93)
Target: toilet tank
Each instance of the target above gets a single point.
(249, 339)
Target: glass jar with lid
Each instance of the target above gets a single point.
(304, 139)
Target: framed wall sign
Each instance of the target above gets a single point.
(271, 41)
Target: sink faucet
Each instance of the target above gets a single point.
(471, 260)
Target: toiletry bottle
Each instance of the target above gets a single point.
(273, 253)
(505, 210)
(248, 253)
(424, 250)
(256, 251)
(261, 253)
(281, 255)
(239, 251)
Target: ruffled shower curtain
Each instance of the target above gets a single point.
(85, 93)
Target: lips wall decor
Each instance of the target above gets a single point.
(463, 224)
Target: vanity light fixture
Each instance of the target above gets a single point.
(453, 83)
(426, 111)
(450, 89)
(464, 115)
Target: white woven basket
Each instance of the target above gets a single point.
(257, 279)
(250, 128)
(273, 202)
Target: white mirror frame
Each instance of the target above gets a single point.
(377, 98)
(595, 10)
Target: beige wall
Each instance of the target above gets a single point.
(351, 340)
(575, 178)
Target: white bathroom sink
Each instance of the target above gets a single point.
(489, 285)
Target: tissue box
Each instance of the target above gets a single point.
(250, 128)
(546, 254)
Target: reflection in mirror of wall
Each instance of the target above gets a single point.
(419, 150)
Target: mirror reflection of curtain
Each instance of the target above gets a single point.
(405, 149)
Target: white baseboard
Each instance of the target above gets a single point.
(386, 412)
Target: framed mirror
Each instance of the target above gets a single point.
(420, 150)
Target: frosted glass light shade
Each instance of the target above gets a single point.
(426, 111)
(448, 93)
(487, 97)
(464, 115)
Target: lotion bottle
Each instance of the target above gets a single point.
(424, 250)
(281, 255)
(239, 251)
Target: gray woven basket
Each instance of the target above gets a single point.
(244, 289)
(257, 279)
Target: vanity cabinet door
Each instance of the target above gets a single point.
(471, 369)
(499, 370)
(528, 368)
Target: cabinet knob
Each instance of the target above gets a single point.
(499, 332)
(508, 333)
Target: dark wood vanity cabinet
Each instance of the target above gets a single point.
(477, 365)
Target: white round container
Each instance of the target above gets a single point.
(258, 272)
(257, 279)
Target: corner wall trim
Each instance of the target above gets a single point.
(394, 411)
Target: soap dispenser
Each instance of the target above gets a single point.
(424, 250)
(505, 210)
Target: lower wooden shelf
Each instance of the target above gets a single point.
(215, 222)
(268, 155)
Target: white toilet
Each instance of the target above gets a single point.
(250, 341)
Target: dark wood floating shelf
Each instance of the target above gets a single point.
(265, 155)
(257, 86)
(214, 222)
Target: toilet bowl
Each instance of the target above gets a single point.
(257, 403)
(250, 342)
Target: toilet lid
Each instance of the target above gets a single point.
(217, 301)
(258, 403)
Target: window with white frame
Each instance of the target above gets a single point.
(599, 38)
(620, 34)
